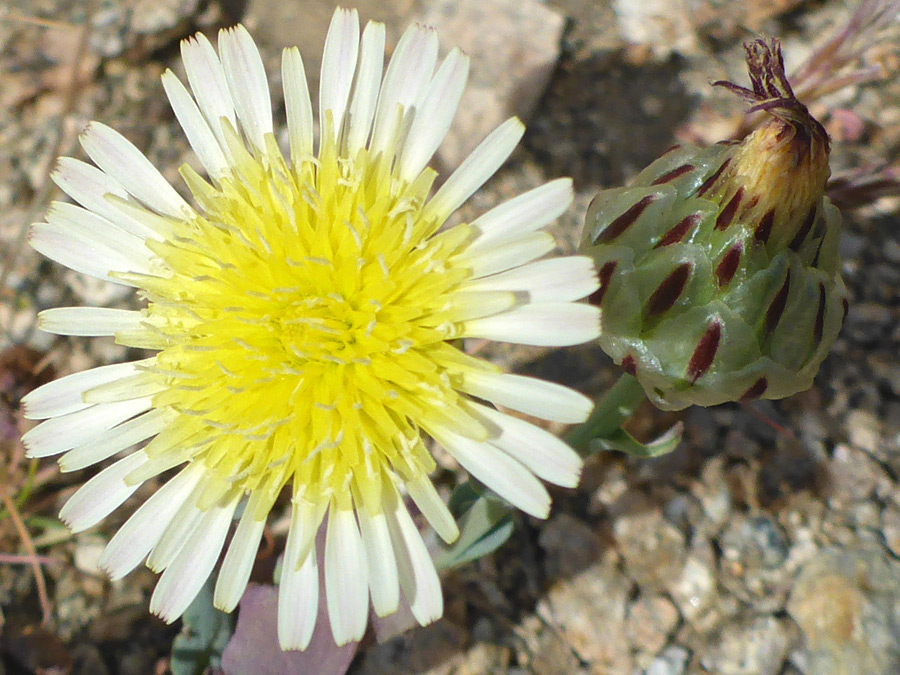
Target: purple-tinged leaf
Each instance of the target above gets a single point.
(254, 646)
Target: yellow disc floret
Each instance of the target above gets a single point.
(303, 328)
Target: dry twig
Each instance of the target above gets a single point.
(33, 557)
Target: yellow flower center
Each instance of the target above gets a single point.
(304, 327)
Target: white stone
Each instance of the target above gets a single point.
(513, 46)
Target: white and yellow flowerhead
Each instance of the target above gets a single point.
(304, 314)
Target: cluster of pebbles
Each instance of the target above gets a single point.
(749, 550)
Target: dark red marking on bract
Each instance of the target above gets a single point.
(672, 149)
(728, 264)
(800, 237)
(626, 220)
(815, 260)
(776, 309)
(605, 275)
(709, 182)
(726, 215)
(820, 229)
(629, 365)
(756, 390)
(673, 174)
(678, 232)
(669, 290)
(764, 229)
(819, 325)
(705, 352)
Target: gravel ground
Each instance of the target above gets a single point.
(746, 551)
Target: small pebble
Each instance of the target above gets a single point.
(653, 549)
(650, 621)
(757, 646)
(845, 601)
(671, 661)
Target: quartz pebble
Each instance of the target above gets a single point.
(653, 549)
(671, 661)
(756, 646)
(513, 46)
(845, 602)
(753, 553)
(650, 621)
(574, 607)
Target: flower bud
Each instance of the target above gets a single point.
(719, 268)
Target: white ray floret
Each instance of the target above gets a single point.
(247, 82)
(438, 110)
(544, 454)
(530, 395)
(417, 575)
(65, 395)
(133, 542)
(196, 128)
(82, 426)
(365, 92)
(550, 280)
(406, 77)
(208, 83)
(89, 244)
(346, 578)
(88, 321)
(297, 105)
(382, 563)
(179, 532)
(543, 325)
(118, 157)
(238, 562)
(298, 599)
(338, 66)
(184, 576)
(113, 441)
(102, 494)
(476, 169)
(96, 191)
(506, 254)
(500, 472)
(528, 212)
(429, 502)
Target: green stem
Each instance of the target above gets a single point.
(611, 411)
(25, 492)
